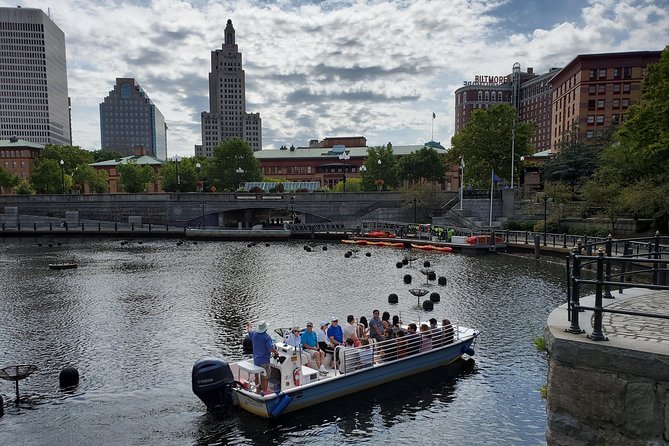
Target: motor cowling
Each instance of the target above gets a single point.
(213, 382)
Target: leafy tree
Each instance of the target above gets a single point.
(134, 178)
(422, 196)
(386, 170)
(25, 188)
(105, 155)
(425, 164)
(97, 180)
(574, 163)
(72, 156)
(485, 144)
(229, 156)
(47, 177)
(188, 175)
(352, 185)
(8, 180)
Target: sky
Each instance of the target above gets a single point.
(316, 69)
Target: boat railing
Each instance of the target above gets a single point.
(401, 346)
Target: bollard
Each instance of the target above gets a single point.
(597, 334)
(132, 227)
(68, 378)
(50, 227)
(34, 226)
(149, 227)
(82, 227)
(537, 246)
(99, 227)
(116, 227)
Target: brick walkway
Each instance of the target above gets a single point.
(638, 327)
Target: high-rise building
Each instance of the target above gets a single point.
(130, 122)
(528, 92)
(227, 117)
(34, 103)
(593, 92)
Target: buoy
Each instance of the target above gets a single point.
(325, 248)
(392, 298)
(69, 377)
(248, 245)
(442, 280)
(308, 248)
(140, 242)
(195, 243)
(247, 345)
(347, 254)
(470, 351)
(435, 297)
(305, 247)
(426, 264)
(399, 264)
(431, 275)
(368, 254)
(405, 261)
(2, 406)
(266, 244)
(428, 305)
(407, 278)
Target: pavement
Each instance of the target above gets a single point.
(638, 328)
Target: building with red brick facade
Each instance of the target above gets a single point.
(17, 157)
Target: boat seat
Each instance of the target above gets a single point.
(249, 367)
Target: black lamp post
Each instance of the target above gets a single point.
(198, 166)
(62, 175)
(292, 208)
(176, 162)
(344, 156)
(380, 185)
(545, 216)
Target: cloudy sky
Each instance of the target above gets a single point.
(376, 68)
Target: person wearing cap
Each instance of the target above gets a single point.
(294, 339)
(263, 347)
(335, 333)
(322, 337)
(310, 346)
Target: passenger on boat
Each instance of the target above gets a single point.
(294, 339)
(436, 334)
(447, 331)
(376, 327)
(366, 353)
(426, 338)
(310, 346)
(400, 351)
(335, 333)
(348, 356)
(362, 329)
(322, 336)
(385, 321)
(350, 331)
(263, 347)
(413, 339)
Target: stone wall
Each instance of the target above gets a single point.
(612, 392)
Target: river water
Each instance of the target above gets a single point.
(135, 316)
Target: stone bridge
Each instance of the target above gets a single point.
(217, 209)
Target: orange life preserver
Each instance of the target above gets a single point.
(296, 376)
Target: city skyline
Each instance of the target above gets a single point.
(330, 68)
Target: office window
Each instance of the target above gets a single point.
(591, 104)
(615, 118)
(600, 103)
(616, 88)
(627, 87)
(616, 103)
(601, 89)
(592, 89)
(627, 72)
(602, 73)
(600, 119)
(593, 74)
(589, 134)
(616, 73)
(591, 119)
(626, 102)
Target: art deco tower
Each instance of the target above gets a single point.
(227, 117)
(34, 103)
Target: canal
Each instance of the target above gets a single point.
(135, 315)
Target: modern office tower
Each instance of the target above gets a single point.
(34, 103)
(131, 123)
(227, 117)
(593, 92)
(528, 92)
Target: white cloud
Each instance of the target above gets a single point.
(331, 68)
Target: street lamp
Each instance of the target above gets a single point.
(379, 186)
(545, 216)
(292, 208)
(198, 166)
(62, 175)
(344, 156)
(239, 172)
(176, 162)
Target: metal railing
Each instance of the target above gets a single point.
(641, 263)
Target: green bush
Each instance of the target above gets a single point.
(552, 225)
(514, 225)
(25, 188)
(590, 231)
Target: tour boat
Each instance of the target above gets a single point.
(295, 383)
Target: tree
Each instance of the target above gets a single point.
(25, 188)
(73, 157)
(188, 175)
(352, 185)
(386, 170)
(425, 164)
(46, 177)
(8, 180)
(485, 144)
(105, 155)
(229, 156)
(135, 177)
(422, 196)
(97, 180)
(574, 163)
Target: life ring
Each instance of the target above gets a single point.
(296, 376)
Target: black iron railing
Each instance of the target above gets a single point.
(639, 263)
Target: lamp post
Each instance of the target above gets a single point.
(292, 208)
(62, 175)
(545, 216)
(379, 186)
(344, 156)
(176, 162)
(239, 172)
(415, 219)
(198, 166)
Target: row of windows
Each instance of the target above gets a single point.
(22, 80)
(15, 57)
(602, 73)
(31, 114)
(617, 88)
(21, 99)
(23, 88)
(13, 26)
(288, 170)
(35, 66)
(601, 103)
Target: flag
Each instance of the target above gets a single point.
(434, 116)
(497, 179)
(462, 162)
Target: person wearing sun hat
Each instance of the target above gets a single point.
(322, 336)
(294, 339)
(263, 347)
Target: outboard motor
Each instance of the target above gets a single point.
(212, 383)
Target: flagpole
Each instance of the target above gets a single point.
(513, 148)
(492, 184)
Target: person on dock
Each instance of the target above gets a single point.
(263, 347)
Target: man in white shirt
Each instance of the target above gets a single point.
(349, 330)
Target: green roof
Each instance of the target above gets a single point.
(326, 153)
(7, 143)
(144, 159)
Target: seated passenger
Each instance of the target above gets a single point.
(412, 339)
(348, 357)
(362, 329)
(350, 331)
(447, 331)
(426, 338)
(294, 339)
(436, 334)
(366, 353)
(310, 346)
(322, 336)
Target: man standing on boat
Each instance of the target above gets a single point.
(263, 347)
(376, 327)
